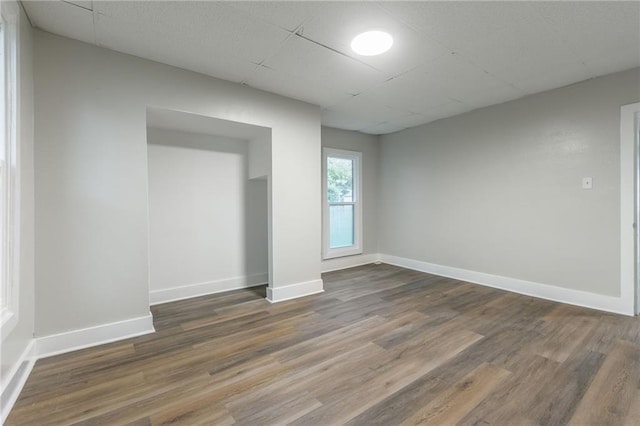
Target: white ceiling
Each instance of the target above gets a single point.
(161, 118)
(447, 58)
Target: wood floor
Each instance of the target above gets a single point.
(382, 346)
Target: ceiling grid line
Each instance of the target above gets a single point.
(447, 58)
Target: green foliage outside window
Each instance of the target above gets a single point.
(339, 180)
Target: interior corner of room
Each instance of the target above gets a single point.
(143, 183)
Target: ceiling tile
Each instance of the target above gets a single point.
(456, 24)
(526, 58)
(62, 18)
(552, 79)
(477, 99)
(162, 118)
(87, 4)
(288, 15)
(592, 29)
(163, 47)
(382, 129)
(510, 40)
(296, 86)
(365, 106)
(321, 65)
(213, 25)
(409, 91)
(339, 22)
(454, 77)
(444, 111)
(448, 57)
(335, 118)
(616, 60)
(447, 110)
(411, 120)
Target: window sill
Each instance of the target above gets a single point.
(349, 251)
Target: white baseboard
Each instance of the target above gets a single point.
(201, 289)
(86, 337)
(293, 291)
(15, 380)
(348, 262)
(79, 339)
(529, 288)
(55, 344)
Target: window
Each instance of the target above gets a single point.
(9, 174)
(342, 203)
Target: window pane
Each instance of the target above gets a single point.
(341, 226)
(339, 179)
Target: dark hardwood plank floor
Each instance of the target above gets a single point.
(382, 346)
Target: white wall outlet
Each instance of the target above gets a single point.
(587, 183)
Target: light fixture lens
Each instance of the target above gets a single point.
(372, 43)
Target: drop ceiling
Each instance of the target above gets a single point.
(447, 58)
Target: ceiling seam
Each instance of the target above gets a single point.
(551, 28)
(336, 51)
(77, 5)
(271, 55)
(24, 9)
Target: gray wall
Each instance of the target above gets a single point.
(16, 342)
(498, 190)
(91, 177)
(369, 146)
(207, 220)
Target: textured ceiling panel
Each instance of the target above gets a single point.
(456, 24)
(382, 129)
(410, 120)
(214, 24)
(409, 92)
(288, 15)
(298, 87)
(448, 57)
(324, 66)
(454, 77)
(195, 123)
(87, 4)
(339, 120)
(591, 30)
(520, 61)
(615, 60)
(446, 110)
(162, 47)
(62, 18)
(552, 78)
(478, 99)
(348, 19)
(366, 106)
(364, 111)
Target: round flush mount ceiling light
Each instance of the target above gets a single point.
(372, 43)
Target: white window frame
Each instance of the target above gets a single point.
(9, 167)
(356, 248)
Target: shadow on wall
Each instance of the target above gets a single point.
(209, 204)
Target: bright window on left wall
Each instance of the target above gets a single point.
(9, 173)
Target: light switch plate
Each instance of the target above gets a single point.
(587, 183)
